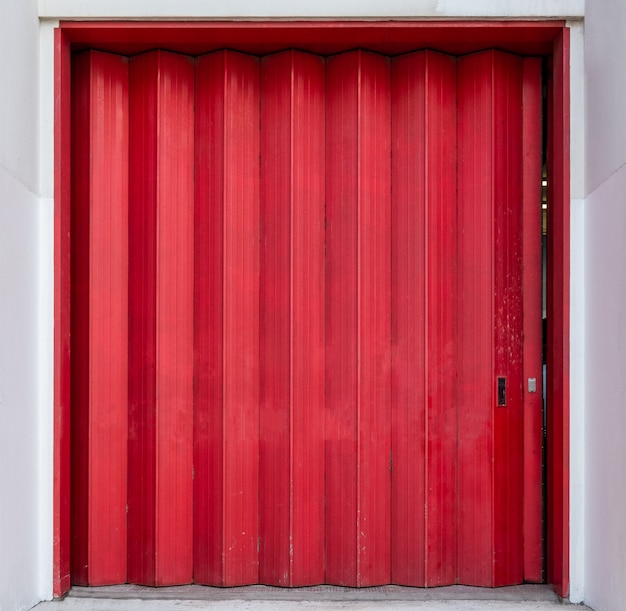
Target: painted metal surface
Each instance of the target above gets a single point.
(358, 319)
(160, 315)
(492, 480)
(292, 301)
(227, 334)
(63, 130)
(424, 311)
(317, 36)
(325, 282)
(550, 38)
(558, 320)
(476, 399)
(100, 318)
(508, 450)
(531, 245)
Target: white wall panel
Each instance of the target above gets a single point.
(605, 422)
(19, 56)
(46, 109)
(23, 516)
(45, 337)
(605, 343)
(577, 312)
(605, 51)
(320, 8)
(19, 417)
(577, 401)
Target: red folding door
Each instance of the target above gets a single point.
(305, 305)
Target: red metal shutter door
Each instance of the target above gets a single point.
(306, 306)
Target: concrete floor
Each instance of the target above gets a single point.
(317, 598)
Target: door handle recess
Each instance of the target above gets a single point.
(501, 391)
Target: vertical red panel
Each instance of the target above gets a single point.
(409, 251)
(475, 323)
(63, 133)
(424, 320)
(533, 411)
(241, 319)
(442, 304)
(307, 316)
(292, 314)
(276, 320)
(100, 284)
(374, 316)
(341, 319)
(358, 318)
(142, 271)
(228, 108)
(558, 318)
(108, 323)
(80, 319)
(208, 317)
(161, 319)
(174, 324)
(508, 465)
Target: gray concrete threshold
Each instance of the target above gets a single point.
(316, 598)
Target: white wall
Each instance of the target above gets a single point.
(605, 255)
(20, 459)
(201, 9)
